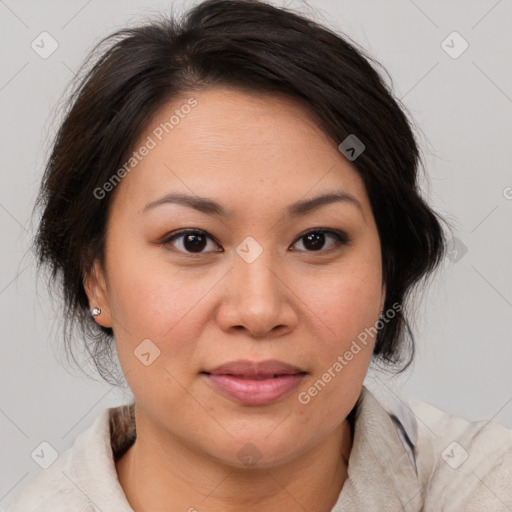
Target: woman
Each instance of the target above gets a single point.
(232, 206)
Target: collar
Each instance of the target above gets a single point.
(380, 473)
(94, 472)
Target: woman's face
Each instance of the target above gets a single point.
(258, 282)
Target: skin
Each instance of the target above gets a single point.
(255, 155)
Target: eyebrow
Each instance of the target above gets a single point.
(211, 207)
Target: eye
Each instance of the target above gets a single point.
(191, 241)
(315, 240)
(194, 241)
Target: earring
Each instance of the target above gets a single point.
(95, 311)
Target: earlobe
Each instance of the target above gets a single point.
(95, 287)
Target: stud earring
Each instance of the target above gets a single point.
(95, 311)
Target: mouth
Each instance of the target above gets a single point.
(247, 368)
(254, 377)
(255, 390)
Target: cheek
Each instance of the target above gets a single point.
(346, 302)
(348, 313)
(342, 355)
(348, 299)
(149, 297)
(346, 310)
(153, 302)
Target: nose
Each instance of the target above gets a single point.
(257, 298)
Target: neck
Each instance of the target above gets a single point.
(170, 475)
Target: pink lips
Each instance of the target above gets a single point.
(255, 383)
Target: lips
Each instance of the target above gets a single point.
(254, 369)
(255, 383)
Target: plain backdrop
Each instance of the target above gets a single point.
(461, 101)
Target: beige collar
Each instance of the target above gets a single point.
(380, 474)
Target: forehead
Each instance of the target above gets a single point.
(222, 142)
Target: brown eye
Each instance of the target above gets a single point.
(194, 241)
(315, 240)
(190, 241)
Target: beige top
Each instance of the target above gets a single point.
(418, 459)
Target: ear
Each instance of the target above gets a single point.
(95, 286)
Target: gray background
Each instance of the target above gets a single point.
(462, 108)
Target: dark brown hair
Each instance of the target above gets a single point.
(255, 47)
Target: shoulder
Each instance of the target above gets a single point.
(66, 484)
(463, 465)
(51, 490)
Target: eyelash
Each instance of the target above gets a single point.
(340, 238)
